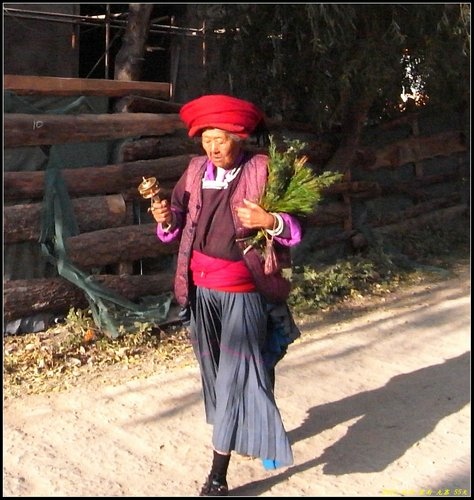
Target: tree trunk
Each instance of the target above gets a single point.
(442, 215)
(418, 210)
(113, 245)
(86, 181)
(157, 147)
(22, 129)
(24, 298)
(352, 127)
(23, 222)
(55, 86)
(413, 149)
(129, 60)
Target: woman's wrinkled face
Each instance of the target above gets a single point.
(220, 148)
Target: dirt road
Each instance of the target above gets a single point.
(376, 404)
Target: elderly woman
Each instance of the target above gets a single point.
(239, 323)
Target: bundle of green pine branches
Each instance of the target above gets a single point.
(292, 185)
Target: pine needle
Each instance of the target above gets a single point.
(292, 185)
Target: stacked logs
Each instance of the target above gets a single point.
(102, 195)
(101, 198)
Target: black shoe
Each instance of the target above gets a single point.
(214, 487)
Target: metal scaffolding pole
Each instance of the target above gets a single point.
(100, 20)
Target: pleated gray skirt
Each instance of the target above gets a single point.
(227, 331)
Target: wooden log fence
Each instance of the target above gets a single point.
(116, 244)
(22, 222)
(96, 180)
(141, 104)
(101, 195)
(22, 129)
(157, 147)
(23, 298)
(56, 86)
(415, 149)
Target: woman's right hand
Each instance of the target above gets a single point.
(161, 211)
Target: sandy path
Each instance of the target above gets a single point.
(376, 405)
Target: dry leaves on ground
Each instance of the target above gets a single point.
(57, 358)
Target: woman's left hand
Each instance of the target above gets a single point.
(253, 216)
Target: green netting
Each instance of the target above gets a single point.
(52, 105)
(113, 314)
(24, 260)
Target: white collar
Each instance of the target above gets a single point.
(225, 178)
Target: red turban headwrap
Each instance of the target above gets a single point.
(221, 111)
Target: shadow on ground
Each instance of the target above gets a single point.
(392, 419)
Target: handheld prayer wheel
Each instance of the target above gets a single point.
(149, 189)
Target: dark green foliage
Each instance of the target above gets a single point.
(390, 259)
(317, 288)
(309, 62)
